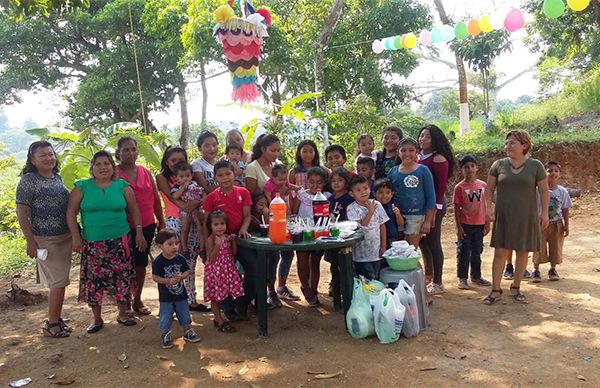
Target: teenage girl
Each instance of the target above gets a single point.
(388, 157)
(204, 166)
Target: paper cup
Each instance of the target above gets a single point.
(42, 254)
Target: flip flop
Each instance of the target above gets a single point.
(127, 322)
(93, 328)
(142, 310)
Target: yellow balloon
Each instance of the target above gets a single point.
(410, 40)
(485, 24)
(578, 5)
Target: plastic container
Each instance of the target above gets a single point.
(403, 263)
(277, 220)
(320, 207)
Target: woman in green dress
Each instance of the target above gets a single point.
(517, 179)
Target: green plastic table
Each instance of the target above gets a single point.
(341, 277)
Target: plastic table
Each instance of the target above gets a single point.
(341, 279)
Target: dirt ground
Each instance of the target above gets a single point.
(552, 341)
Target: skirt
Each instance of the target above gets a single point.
(54, 271)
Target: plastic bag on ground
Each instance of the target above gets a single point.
(359, 319)
(406, 295)
(388, 317)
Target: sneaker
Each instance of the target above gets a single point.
(526, 274)
(315, 302)
(553, 275)
(462, 284)
(435, 289)
(273, 301)
(536, 277)
(191, 336)
(508, 272)
(165, 340)
(481, 282)
(286, 294)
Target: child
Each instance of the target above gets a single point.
(471, 224)
(234, 153)
(414, 193)
(307, 156)
(372, 218)
(309, 261)
(278, 183)
(365, 147)
(554, 235)
(203, 167)
(384, 193)
(340, 199)
(221, 278)
(388, 158)
(335, 156)
(169, 269)
(366, 167)
(235, 202)
(186, 190)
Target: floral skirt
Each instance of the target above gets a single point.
(106, 268)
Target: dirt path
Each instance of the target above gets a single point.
(508, 344)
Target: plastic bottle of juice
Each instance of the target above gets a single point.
(320, 207)
(277, 220)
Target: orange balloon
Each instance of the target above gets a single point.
(473, 27)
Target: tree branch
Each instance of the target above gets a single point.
(511, 79)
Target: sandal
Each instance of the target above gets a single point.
(142, 310)
(224, 327)
(517, 294)
(94, 327)
(127, 322)
(490, 300)
(64, 326)
(61, 333)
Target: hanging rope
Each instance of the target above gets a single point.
(137, 72)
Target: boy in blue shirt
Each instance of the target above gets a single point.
(384, 193)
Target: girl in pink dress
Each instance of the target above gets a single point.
(221, 277)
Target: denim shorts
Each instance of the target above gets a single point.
(413, 223)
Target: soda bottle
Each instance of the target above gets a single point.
(320, 207)
(277, 220)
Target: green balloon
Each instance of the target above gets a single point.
(553, 8)
(397, 42)
(460, 30)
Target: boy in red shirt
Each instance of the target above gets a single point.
(471, 225)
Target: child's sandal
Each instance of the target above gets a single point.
(224, 327)
(489, 300)
(517, 294)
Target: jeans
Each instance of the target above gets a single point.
(468, 251)
(285, 263)
(369, 270)
(431, 247)
(166, 310)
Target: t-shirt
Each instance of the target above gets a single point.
(413, 192)
(144, 195)
(271, 188)
(255, 171)
(47, 199)
(367, 250)
(392, 230)
(103, 215)
(168, 268)
(305, 210)
(384, 165)
(471, 199)
(207, 170)
(559, 200)
(232, 204)
(338, 206)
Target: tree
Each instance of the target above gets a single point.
(20, 9)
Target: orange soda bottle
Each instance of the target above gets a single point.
(277, 220)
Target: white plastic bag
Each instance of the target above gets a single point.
(359, 319)
(388, 316)
(406, 294)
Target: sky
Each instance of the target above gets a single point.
(45, 107)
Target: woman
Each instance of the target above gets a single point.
(41, 200)
(264, 156)
(435, 153)
(165, 180)
(104, 202)
(517, 178)
(148, 202)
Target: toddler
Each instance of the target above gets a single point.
(186, 190)
(234, 153)
(278, 183)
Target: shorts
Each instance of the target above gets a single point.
(551, 245)
(140, 258)
(54, 271)
(413, 223)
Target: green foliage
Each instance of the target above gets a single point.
(19, 9)
(13, 257)
(443, 105)
(481, 50)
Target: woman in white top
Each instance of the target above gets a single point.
(204, 166)
(264, 155)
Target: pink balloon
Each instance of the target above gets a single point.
(377, 46)
(514, 21)
(425, 37)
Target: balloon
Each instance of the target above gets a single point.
(578, 5)
(447, 33)
(553, 8)
(377, 46)
(497, 20)
(398, 42)
(473, 27)
(436, 35)
(410, 40)
(514, 21)
(485, 24)
(460, 30)
(388, 43)
(425, 37)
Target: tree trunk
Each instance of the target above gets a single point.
(324, 36)
(204, 95)
(185, 122)
(462, 76)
